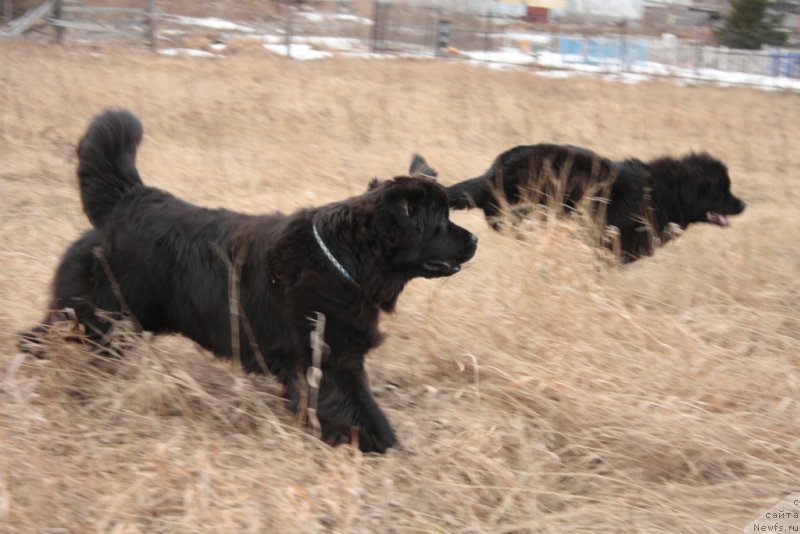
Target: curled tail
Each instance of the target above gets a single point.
(472, 193)
(107, 162)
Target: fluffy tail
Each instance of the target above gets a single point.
(107, 162)
(472, 193)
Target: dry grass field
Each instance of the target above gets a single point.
(544, 389)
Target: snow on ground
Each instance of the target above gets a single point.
(297, 51)
(557, 74)
(507, 56)
(526, 37)
(313, 16)
(337, 43)
(343, 44)
(209, 22)
(353, 18)
(192, 52)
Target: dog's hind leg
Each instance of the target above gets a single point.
(80, 290)
(32, 341)
(613, 240)
(76, 322)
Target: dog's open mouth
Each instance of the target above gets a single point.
(718, 218)
(441, 267)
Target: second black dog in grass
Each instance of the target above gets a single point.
(641, 199)
(165, 262)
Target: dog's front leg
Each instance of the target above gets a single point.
(345, 402)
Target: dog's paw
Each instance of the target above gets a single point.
(357, 437)
(31, 342)
(372, 443)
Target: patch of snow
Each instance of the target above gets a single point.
(313, 16)
(171, 31)
(342, 44)
(336, 43)
(208, 22)
(627, 77)
(557, 74)
(353, 18)
(532, 38)
(509, 56)
(191, 52)
(298, 51)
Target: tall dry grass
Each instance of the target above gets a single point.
(543, 389)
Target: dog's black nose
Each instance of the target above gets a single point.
(473, 238)
(742, 205)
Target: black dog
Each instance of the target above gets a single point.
(165, 264)
(643, 201)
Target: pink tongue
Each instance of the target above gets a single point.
(720, 219)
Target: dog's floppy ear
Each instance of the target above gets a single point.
(402, 205)
(420, 167)
(403, 195)
(399, 201)
(402, 192)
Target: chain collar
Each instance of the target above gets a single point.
(331, 257)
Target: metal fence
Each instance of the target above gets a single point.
(627, 53)
(403, 28)
(132, 22)
(408, 27)
(74, 19)
(431, 29)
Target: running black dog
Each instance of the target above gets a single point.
(165, 264)
(643, 201)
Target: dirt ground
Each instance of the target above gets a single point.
(543, 389)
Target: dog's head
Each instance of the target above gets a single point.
(705, 191)
(412, 221)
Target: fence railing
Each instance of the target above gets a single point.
(70, 18)
(612, 54)
(626, 53)
(108, 21)
(429, 29)
(410, 27)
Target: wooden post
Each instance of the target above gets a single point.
(442, 37)
(7, 11)
(487, 32)
(58, 14)
(151, 24)
(289, 28)
(380, 16)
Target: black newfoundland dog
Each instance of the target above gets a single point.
(164, 263)
(643, 201)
